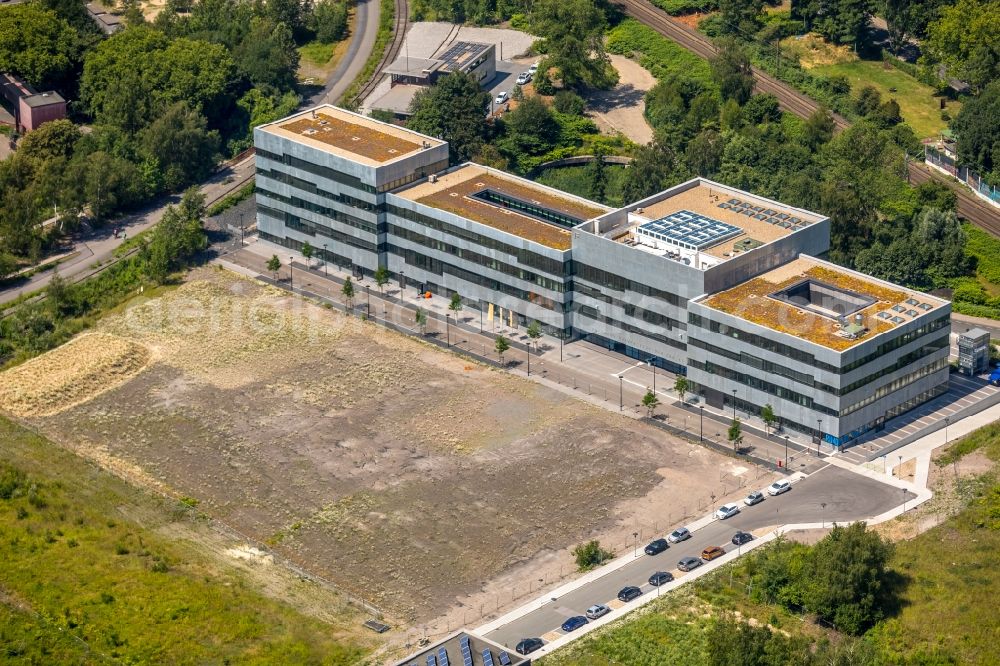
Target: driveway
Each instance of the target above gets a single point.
(362, 43)
(622, 108)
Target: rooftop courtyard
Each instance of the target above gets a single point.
(350, 135)
(819, 302)
(513, 205)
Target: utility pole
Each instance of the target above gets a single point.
(786, 451)
(291, 284)
(621, 393)
(652, 364)
(447, 324)
(701, 423)
(326, 261)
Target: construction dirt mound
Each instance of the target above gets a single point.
(72, 374)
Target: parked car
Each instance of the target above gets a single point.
(727, 511)
(629, 593)
(712, 552)
(656, 547)
(534, 68)
(523, 77)
(741, 538)
(756, 497)
(574, 623)
(678, 535)
(779, 487)
(528, 645)
(995, 377)
(689, 563)
(660, 578)
(502, 98)
(596, 611)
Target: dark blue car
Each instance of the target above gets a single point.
(574, 623)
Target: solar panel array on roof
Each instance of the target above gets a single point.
(769, 215)
(689, 230)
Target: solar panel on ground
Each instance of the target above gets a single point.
(689, 230)
(487, 657)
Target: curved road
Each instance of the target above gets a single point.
(969, 206)
(362, 43)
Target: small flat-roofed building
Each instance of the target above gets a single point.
(322, 176)
(835, 352)
(108, 23)
(31, 108)
(408, 75)
(465, 649)
(500, 241)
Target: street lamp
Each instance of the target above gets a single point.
(822, 505)
(819, 434)
(326, 260)
(560, 346)
(786, 451)
(899, 468)
(635, 552)
(701, 423)
(621, 393)
(652, 364)
(368, 306)
(291, 285)
(947, 420)
(447, 324)
(734, 404)
(241, 229)
(529, 358)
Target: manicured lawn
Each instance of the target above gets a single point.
(916, 101)
(86, 576)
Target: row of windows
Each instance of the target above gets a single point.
(809, 380)
(591, 313)
(306, 186)
(318, 170)
(330, 213)
(648, 316)
(524, 257)
(895, 385)
(618, 283)
(776, 347)
(416, 175)
(438, 267)
(311, 228)
(761, 385)
(474, 257)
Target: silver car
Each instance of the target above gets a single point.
(596, 611)
(523, 77)
(779, 487)
(678, 535)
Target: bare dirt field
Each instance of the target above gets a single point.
(409, 476)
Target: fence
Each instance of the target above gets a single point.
(963, 174)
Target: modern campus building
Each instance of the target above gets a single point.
(701, 279)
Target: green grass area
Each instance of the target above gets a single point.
(316, 52)
(658, 54)
(575, 180)
(86, 576)
(917, 103)
(681, 7)
(231, 200)
(979, 295)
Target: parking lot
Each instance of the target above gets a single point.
(832, 495)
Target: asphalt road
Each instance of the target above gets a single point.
(362, 43)
(848, 497)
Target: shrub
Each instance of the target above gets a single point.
(589, 555)
(568, 102)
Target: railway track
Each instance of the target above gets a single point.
(401, 21)
(969, 205)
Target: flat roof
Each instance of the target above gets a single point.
(43, 99)
(351, 135)
(417, 67)
(757, 300)
(749, 220)
(478, 193)
(458, 54)
(398, 99)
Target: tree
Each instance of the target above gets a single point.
(761, 109)
(655, 168)
(420, 317)
(976, 128)
(307, 252)
(818, 128)
(268, 57)
(535, 332)
(901, 18)
(456, 304)
(966, 38)
(568, 102)
(182, 145)
(348, 291)
(741, 17)
(38, 45)
(274, 265)
(767, 415)
(453, 109)
(681, 386)
(735, 434)
(596, 175)
(329, 21)
(55, 139)
(650, 402)
(531, 129)
(840, 21)
(381, 277)
(845, 581)
(590, 555)
(574, 40)
(731, 71)
(501, 346)
(178, 236)
(8, 265)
